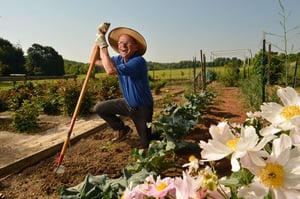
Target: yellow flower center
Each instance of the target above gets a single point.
(290, 111)
(192, 158)
(272, 175)
(232, 143)
(161, 187)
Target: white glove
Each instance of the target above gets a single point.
(100, 36)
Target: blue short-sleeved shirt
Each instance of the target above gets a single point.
(133, 79)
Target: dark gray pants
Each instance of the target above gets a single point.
(111, 109)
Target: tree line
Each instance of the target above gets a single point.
(46, 61)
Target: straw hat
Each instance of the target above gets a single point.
(114, 35)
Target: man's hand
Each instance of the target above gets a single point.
(100, 36)
(103, 28)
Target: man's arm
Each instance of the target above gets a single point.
(107, 62)
(104, 60)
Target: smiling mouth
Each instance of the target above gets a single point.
(123, 50)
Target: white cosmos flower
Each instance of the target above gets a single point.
(280, 174)
(282, 117)
(188, 186)
(246, 147)
(193, 164)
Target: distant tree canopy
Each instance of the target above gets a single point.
(44, 60)
(222, 61)
(41, 60)
(11, 58)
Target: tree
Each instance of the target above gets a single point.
(11, 58)
(44, 60)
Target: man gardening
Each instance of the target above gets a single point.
(132, 71)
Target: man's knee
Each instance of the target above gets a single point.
(100, 108)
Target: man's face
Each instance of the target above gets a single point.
(127, 46)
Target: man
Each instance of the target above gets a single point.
(131, 69)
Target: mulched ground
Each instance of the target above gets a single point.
(96, 155)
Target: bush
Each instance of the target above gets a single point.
(109, 89)
(211, 76)
(51, 105)
(230, 76)
(26, 117)
(4, 101)
(70, 94)
(19, 94)
(50, 100)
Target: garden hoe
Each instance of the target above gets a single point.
(60, 168)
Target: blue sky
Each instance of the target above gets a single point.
(175, 30)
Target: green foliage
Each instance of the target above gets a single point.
(274, 73)
(11, 58)
(70, 92)
(276, 70)
(19, 94)
(101, 186)
(50, 100)
(176, 121)
(157, 85)
(252, 91)
(44, 60)
(231, 75)
(200, 102)
(26, 117)
(220, 61)
(73, 67)
(211, 75)
(4, 100)
(156, 159)
(109, 89)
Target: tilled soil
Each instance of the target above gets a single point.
(96, 155)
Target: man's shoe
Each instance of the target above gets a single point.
(122, 134)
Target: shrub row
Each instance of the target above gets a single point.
(29, 100)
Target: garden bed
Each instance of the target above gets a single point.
(95, 155)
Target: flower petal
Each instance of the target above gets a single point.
(288, 96)
(281, 149)
(214, 150)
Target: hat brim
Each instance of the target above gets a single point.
(114, 35)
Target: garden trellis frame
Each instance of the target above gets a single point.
(238, 53)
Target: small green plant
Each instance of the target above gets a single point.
(157, 85)
(210, 76)
(175, 121)
(155, 159)
(200, 102)
(26, 117)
